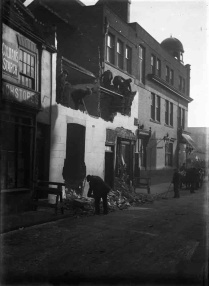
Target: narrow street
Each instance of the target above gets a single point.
(160, 243)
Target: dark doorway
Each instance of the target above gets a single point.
(109, 165)
(75, 152)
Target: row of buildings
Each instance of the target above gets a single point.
(84, 90)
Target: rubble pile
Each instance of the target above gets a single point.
(121, 197)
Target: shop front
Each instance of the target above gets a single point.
(19, 105)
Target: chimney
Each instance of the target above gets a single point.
(120, 7)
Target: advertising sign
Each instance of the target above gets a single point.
(15, 93)
(10, 58)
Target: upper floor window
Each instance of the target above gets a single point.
(171, 114)
(141, 64)
(167, 74)
(110, 48)
(155, 107)
(158, 67)
(167, 112)
(180, 83)
(27, 69)
(181, 118)
(171, 76)
(153, 64)
(128, 59)
(120, 54)
(183, 85)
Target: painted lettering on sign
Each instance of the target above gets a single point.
(10, 58)
(15, 93)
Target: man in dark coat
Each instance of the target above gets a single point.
(176, 181)
(98, 189)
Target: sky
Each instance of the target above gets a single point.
(187, 21)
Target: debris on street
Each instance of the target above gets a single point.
(121, 197)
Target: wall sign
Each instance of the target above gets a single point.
(14, 93)
(10, 58)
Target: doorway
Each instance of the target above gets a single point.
(109, 165)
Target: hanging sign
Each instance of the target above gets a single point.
(10, 58)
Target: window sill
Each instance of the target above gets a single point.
(154, 121)
(14, 190)
(169, 126)
(117, 68)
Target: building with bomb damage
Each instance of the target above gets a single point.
(118, 98)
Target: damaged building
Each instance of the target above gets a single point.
(114, 101)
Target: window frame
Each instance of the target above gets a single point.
(24, 63)
(128, 59)
(158, 67)
(166, 112)
(153, 103)
(170, 113)
(141, 64)
(153, 64)
(120, 54)
(167, 74)
(172, 76)
(110, 56)
(158, 109)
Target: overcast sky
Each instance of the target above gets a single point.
(187, 21)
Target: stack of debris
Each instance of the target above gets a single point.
(122, 196)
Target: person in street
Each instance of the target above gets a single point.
(176, 181)
(98, 189)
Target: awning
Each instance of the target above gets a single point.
(186, 139)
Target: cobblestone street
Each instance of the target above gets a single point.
(159, 243)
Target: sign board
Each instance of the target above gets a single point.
(15, 93)
(10, 58)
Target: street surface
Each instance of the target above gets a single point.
(160, 243)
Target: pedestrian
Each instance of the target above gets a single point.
(98, 189)
(176, 181)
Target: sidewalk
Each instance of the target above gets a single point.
(42, 215)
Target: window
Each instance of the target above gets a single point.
(183, 85)
(153, 64)
(180, 83)
(27, 69)
(171, 114)
(141, 64)
(158, 108)
(158, 66)
(120, 54)
(128, 59)
(171, 76)
(110, 48)
(181, 118)
(167, 112)
(167, 74)
(153, 106)
(169, 154)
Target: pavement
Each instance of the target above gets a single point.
(10, 222)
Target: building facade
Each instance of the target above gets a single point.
(25, 103)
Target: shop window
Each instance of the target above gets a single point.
(169, 154)
(27, 69)
(110, 48)
(141, 64)
(128, 59)
(16, 152)
(120, 54)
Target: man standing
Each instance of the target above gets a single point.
(100, 190)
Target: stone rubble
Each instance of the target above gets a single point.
(121, 197)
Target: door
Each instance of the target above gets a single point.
(109, 165)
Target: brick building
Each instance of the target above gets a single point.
(101, 38)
